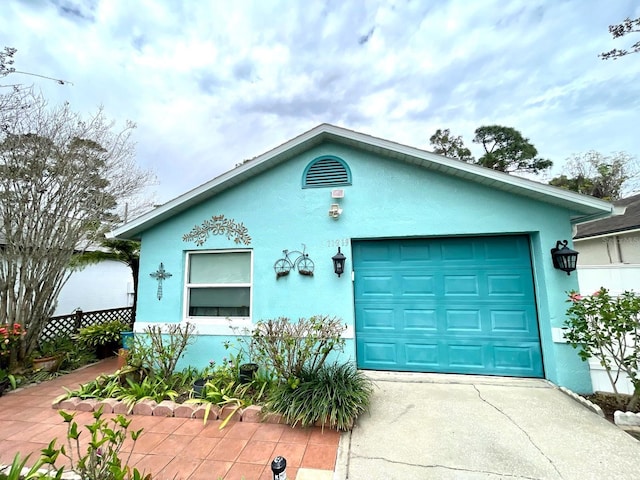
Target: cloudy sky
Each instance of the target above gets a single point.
(211, 83)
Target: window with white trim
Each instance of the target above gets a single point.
(219, 284)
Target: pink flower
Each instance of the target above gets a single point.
(596, 293)
(575, 297)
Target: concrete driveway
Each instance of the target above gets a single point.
(429, 426)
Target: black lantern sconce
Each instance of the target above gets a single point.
(563, 257)
(338, 262)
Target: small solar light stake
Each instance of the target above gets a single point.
(279, 468)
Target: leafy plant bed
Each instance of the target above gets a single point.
(309, 401)
(610, 402)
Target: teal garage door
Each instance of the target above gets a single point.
(451, 305)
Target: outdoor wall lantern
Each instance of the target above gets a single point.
(563, 257)
(338, 262)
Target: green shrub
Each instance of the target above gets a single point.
(333, 396)
(607, 328)
(158, 352)
(287, 347)
(101, 334)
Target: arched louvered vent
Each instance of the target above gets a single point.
(326, 172)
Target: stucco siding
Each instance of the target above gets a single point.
(386, 199)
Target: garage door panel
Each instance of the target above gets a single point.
(478, 320)
(461, 285)
(463, 305)
(451, 356)
(376, 285)
(416, 252)
(382, 353)
(458, 250)
(466, 357)
(463, 321)
(417, 285)
(507, 322)
(422, 355)
(375, 319)
(508, 284)
(397, 319)
(376, 254)
(420, 320)
(517, 358)
(506, 248)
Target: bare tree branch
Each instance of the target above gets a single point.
(620, 30)
(62, 177)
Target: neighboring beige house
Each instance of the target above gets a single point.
(610, 257)
(610, 250)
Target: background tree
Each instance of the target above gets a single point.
(604, 176)
(506, 150)
(61, 176)
(620, 30)
(450, 146)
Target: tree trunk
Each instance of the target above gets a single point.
(635, 399)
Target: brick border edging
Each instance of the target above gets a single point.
(168, 408)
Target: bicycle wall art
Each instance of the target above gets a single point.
(302, 263)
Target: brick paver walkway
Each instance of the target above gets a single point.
(170, 448)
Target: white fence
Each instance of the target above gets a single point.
(617, 278)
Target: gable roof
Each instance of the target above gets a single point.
(583, 207)
(620, 223)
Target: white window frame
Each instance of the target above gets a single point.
(216, 325)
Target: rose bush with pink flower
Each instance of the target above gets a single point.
(9, 339)
(607, 328)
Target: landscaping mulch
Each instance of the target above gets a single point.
(610, 402)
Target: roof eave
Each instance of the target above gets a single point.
(612, 233)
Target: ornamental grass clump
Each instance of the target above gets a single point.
(332, 396)
(607, 328)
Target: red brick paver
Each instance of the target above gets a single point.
(169, 447)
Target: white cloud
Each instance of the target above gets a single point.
(212, 83)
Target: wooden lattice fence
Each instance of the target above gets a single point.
(66, 325)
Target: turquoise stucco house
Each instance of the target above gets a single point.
(448, 266)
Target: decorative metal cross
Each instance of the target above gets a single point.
(160, 275)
